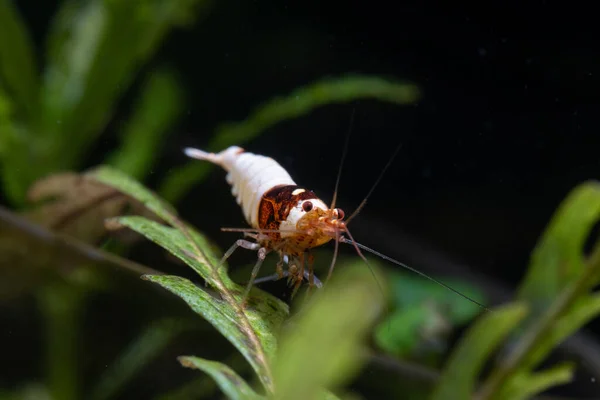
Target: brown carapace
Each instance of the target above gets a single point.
(292, 221)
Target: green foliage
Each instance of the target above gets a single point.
(300, 102)
(322, 348)
(230, 383)
(526, 386)
(251, 331)
(203, 386)
(159, 105)
(319, 343)
(423, 314)
(559, 266)
(51, 114)
(558, 259)
(460, 374)
(50, 119)
(323, 345)
(18, 71)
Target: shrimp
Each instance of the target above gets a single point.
(286, 218)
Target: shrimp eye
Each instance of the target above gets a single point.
(307, 206)
(340, 213)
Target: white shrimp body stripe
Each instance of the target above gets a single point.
(250, 176)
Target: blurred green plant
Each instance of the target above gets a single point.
(555, 300)
(50, 118)
(255, 330)
(323, 345)
(516, 376)
(423, 315)
(51, 114)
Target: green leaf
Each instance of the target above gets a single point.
(300, 102)
(17, 63)
(177, 244)
(558, 258)
(461, 372)
(131, 187)
(251, 329)
(323, 347)
(94, 52)
(18, 102)
(143, 349)
(406, 330)
(571, 279)
(157, 108)
(6, 123)
(526, 386)
(203, 386)
(411, 291)
(226, 320)
(234, 387)
(583, 311)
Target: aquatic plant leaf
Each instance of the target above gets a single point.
(570, 278)
(129, 186)
(94, 51)
(583, 311)
(424, 314)
(77, 205)
(462, 369)
(249, 328)
(231, 384)
(18, 71)
(157, 108)
(558, 258)
(300, 102)
(409, 290)
(178, 244)
(203, 386)
(410, 329)
(225, 319)
(526, 386)
(323, 347)
(93, 58)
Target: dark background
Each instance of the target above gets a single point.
(506, 127)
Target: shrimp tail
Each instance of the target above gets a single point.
(223, 159)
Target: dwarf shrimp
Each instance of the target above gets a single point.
(286, 218)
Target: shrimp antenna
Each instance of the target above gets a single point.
(344, 152)
(364, 202)
(416, 271)
(361, 255)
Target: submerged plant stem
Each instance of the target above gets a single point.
(61, 305)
